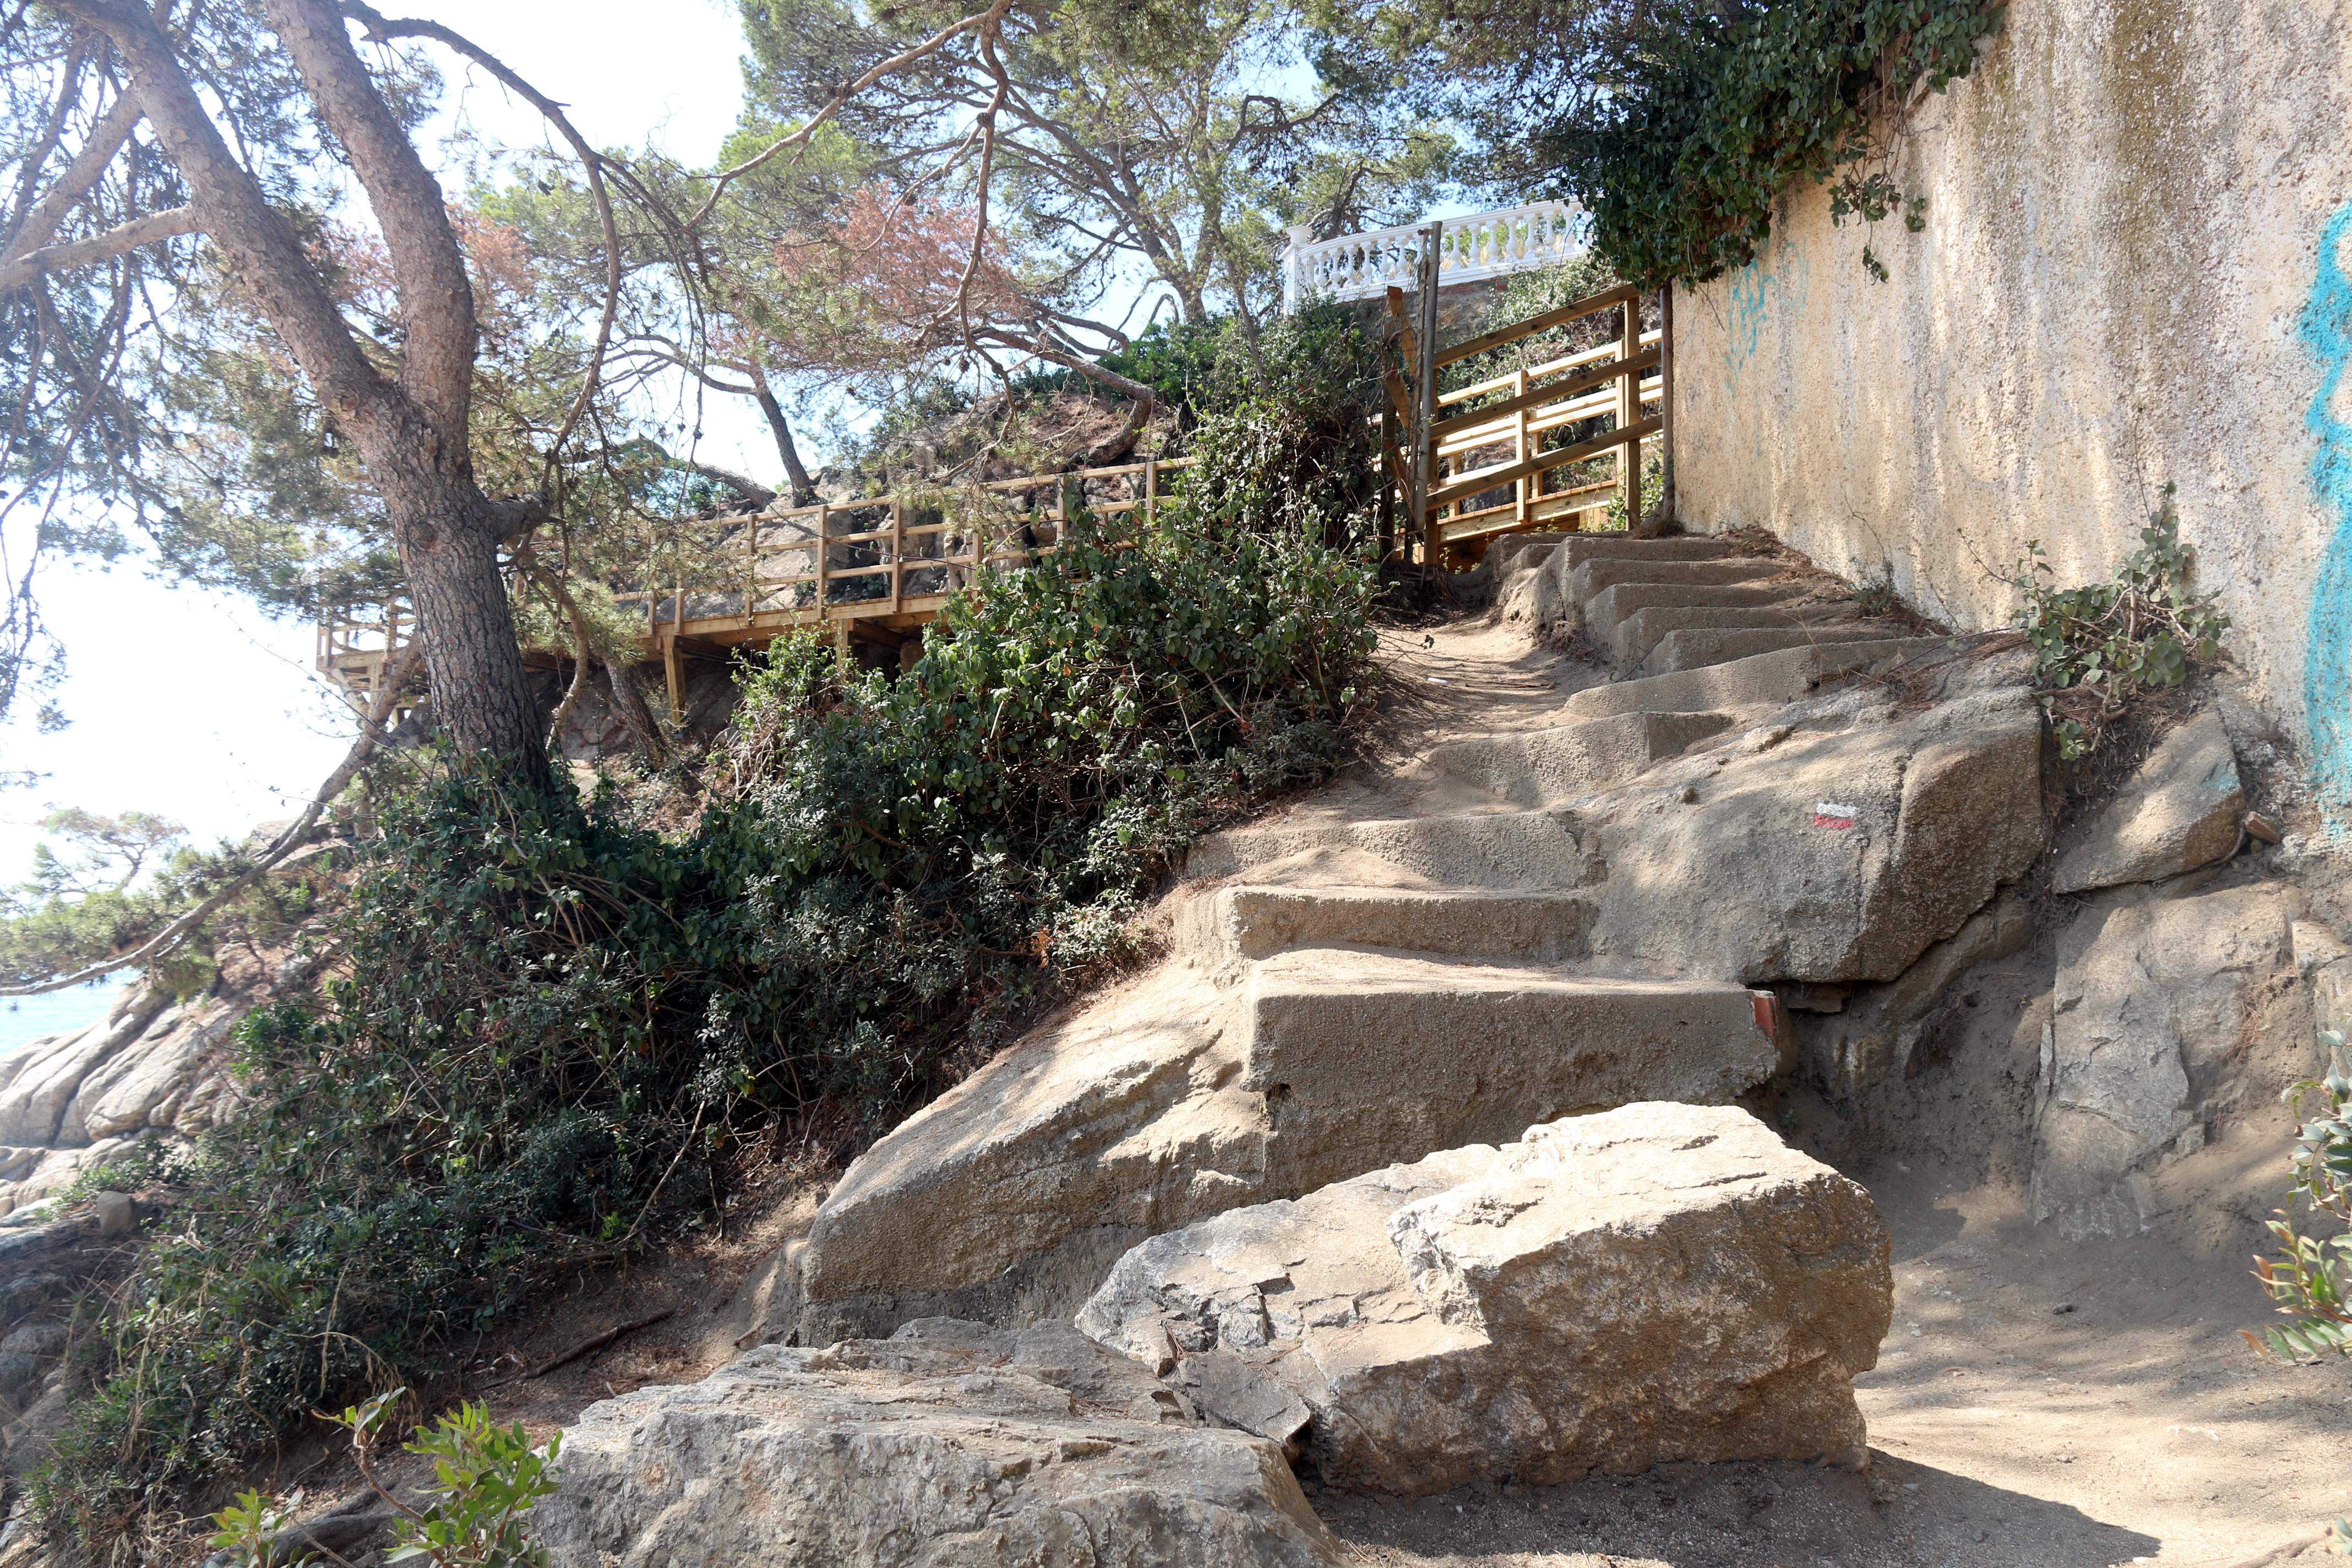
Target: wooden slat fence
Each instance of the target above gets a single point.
(1471, 462)
(893, 561)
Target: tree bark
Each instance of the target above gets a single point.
(803, 492)
(412, 435)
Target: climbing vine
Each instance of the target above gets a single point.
(1713, 112)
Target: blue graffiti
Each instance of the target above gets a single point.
(2325, 330)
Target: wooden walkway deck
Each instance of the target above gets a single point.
(873, 569)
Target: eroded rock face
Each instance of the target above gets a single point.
(153, 1065)
(1798, 855)
(2154, 997)
(2180, 809)
(949, 1443)
(1654, 1284)
(1011, 1197)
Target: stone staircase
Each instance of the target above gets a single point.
(1575, 914)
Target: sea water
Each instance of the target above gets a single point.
(24, 1019)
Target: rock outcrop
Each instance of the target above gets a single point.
(2155, 998)
(1654, 1284)
(949, 1443)
(2180, 810)
(1169, 1101)
(1558, 918)
(74, 1101)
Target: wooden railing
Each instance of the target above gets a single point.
(885, 564)
(1477, 471)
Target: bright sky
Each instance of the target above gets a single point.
(192, 704)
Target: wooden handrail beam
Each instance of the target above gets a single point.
(1593, 304)
(1492, 479)
(1591, 378)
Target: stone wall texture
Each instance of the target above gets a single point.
(2134, 272)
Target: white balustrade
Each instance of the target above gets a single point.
(1486, 245)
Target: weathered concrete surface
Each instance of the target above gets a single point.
(1514, 849)
(1639, 632)
(1011, 1196)
(1657, 1283)
(948, 1447)
(1609, 609)
(1767, 680)
(2180, 809)
(1244, 920)
(1787, 855)
(2135, 215)
(1695, 647)
(1546, 767)
(2155, 997)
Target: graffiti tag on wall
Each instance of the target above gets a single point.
(2325, 330)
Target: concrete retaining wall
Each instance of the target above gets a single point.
(2134, 271)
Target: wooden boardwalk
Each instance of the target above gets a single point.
(873, 570)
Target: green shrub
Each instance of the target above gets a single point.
(547, 1024)
(485, 1478)
(2309, 1281)
(1713, 112)
(2095, 647)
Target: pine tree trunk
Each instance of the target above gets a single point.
(448, 539)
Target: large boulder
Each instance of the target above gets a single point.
(948, 1445)
(1169, 1101)
(2182, 808)
(2156, 999)
(1654, 1284)
(1797, 854)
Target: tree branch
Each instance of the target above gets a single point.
(841, 98)
(440, 334)
(88, 166)
(381, 29)
(396, 677)
(120, 240)
(229, 206)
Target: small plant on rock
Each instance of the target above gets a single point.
(2096, 647)
(484, 1480)
(2309, 1280)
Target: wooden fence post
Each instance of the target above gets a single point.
(898, 556)
(1525, 487)
(1424, 446)
(823, 554)
(1667, 506)
(1629, 414)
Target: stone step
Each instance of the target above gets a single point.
(1642, 631)
(1545, 767)
(1531, 849)
(1694, 648)
(1605, 572)
(1245, 921)
(1575, 549)
(1605, 611)
(1763, 679)
(1514, 551)
(1331, 1036)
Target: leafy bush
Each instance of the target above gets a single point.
(1284, 445)
(1712, 111)
(2096, 646)
(484, 1480)
(548, 1026)
(2309, 1281)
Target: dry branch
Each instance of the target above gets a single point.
(395, 679)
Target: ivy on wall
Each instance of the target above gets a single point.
(1716, 109)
